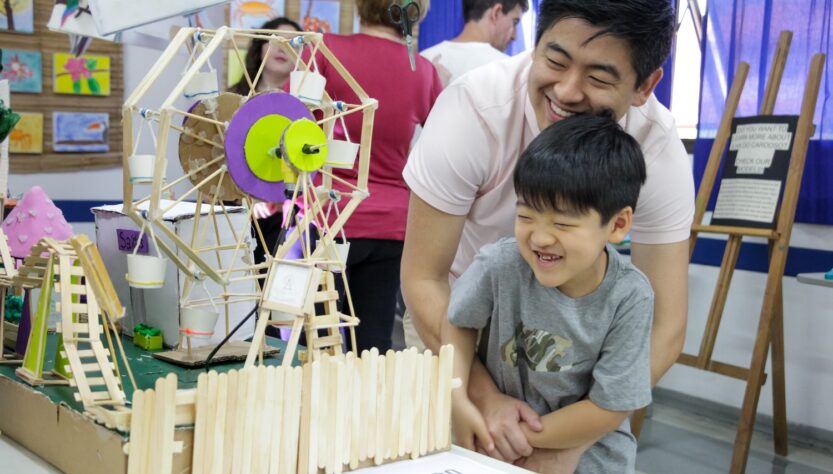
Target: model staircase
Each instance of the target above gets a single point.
(93, 369)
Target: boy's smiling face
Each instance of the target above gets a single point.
(574, 72)
(566, 250)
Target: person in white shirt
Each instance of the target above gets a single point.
(591, 56)
(490, 26)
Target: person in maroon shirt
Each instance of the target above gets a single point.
(377, 57)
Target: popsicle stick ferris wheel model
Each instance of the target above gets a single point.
(264, 147)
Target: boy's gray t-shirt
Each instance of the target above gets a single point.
(551, 350)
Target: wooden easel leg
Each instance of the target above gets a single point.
(721, 292)
(779, 397)
(749, 408)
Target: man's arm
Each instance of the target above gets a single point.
(575, 425)
(431, 241)
(666, 266)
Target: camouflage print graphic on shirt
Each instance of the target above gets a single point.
(539, 349)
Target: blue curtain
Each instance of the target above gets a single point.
(443, 22)
(747, 30)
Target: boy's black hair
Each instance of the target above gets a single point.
(473, 10)
(646, 25)
(580, 163)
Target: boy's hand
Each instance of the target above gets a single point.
(503, 415)
(468, 425)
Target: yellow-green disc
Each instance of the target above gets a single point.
(305, 132)
(263, 137)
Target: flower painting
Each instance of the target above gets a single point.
(82, 75)
(23, 69)
(27, 135)
(79, 132)
(17, 16)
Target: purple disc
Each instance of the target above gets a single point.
(279, 103)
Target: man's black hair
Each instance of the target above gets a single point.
(581, 163)
(473, 10)
(646, 25)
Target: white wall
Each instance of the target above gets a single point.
(808, 327)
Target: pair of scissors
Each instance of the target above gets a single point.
(405, 16)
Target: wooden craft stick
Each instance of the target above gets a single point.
(209, 433)
(427, 358)
(252, 417)
(218, 435)
(432, 418)
(295, 409)
(315, 434)
(146, 441)
(408, 409)
(276, 449)
(240, 420)
(200, 430)
(134, 455)
(416, 434)
(392, 451)
(370, 393)
(166, 434)
(232, 419)
(447, 372)
(341, 396)
(381, 403)
(356, 440)
(263, 440)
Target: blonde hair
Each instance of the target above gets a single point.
(375, 12)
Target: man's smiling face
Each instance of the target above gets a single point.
(574, 72)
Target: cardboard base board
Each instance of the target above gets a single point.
(233, 351)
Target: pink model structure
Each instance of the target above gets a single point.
(34, 217)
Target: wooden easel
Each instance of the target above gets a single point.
(770, 325)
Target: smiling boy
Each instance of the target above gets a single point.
(566, 321)
(590, 56)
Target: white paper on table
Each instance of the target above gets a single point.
(440, 463)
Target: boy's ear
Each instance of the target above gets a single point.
(620, 225)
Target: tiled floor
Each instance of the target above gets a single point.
(681, 442)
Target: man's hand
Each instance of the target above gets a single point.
(468, 425)
(503, 415)
(552, 461)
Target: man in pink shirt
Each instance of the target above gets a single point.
(591, 56)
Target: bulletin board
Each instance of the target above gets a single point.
(47, 101)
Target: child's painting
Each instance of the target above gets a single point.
(83, 75)
(80, 132)
(321, 16)
(23, 69)
(27, 135)
(17, 16)
(253, 14)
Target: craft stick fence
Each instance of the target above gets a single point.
(333, 415)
